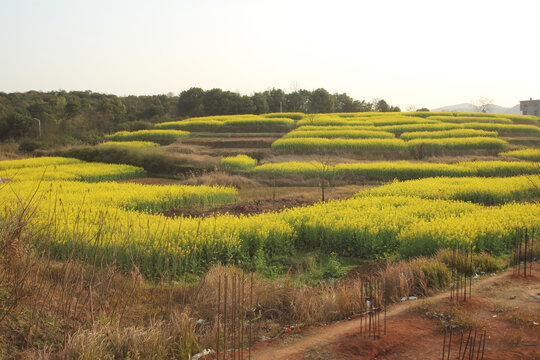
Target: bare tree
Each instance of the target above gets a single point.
(325, 172)
(411, 108)
(482, 104)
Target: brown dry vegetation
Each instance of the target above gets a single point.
(218, 177)
(505, 305)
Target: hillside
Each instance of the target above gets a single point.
(492, 109)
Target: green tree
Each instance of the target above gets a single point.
(260, 102)
(276, 100)
(190, 102)
(321, 101)
(298, 101)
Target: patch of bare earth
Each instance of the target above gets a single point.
(243, 208)
(151, 181)
(508, 307)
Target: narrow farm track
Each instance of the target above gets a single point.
(412, 336)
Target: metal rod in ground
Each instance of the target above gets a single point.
(515, 254)
(450, 344)
(385, 305)
(251, 314)
(458, 274)
(218, 314)
(232, 313)
(532, 251)
(225, 286)
(484, 344)
(460, 345)
(370, 307)
(466, 344)
(381, 294)
(378, 309)
(243, 307)
(519, 258)
(473, 344)
(361, 305)
(525, 261)
(471, 274)
(444, 344)
(479, 347)
(452, 277)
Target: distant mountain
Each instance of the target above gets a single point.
(492, 108)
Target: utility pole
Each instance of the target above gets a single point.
(39, 124)
(280, 107)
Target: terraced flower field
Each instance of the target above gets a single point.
(477, 202)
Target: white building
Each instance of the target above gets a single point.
(530, 107)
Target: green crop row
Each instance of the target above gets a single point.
(159, 136)
(37, 162)
(350, 134)
(524, 154)
(447, 134)
(487, 191)
(317, 145)
(314, 145)
(469, 119)
(400, 169)
(80, 171)
(212, 123)
(135, 144)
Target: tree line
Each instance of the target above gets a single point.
(84, 116)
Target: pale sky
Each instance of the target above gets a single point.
(427, 53)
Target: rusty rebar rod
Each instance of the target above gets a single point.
(484, 344)
(466, 345)
(460, 345)
(525, 257)
(444, 344)
(218, 314)
(450, 344)
(252, 314)
(226, 285)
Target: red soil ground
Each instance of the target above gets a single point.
(505, 305)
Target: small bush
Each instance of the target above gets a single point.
(152, 160)
(29, 145)
(238, 162)
(136, 125)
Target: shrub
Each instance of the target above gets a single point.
(29, 145)
(138, 144)
(238, 162)
(160, 136)
(152, 160)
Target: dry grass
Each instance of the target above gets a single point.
(171, 339)
(450, 314)
(221, 178)
(418, 277)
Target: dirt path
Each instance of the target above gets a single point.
(505, 305)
